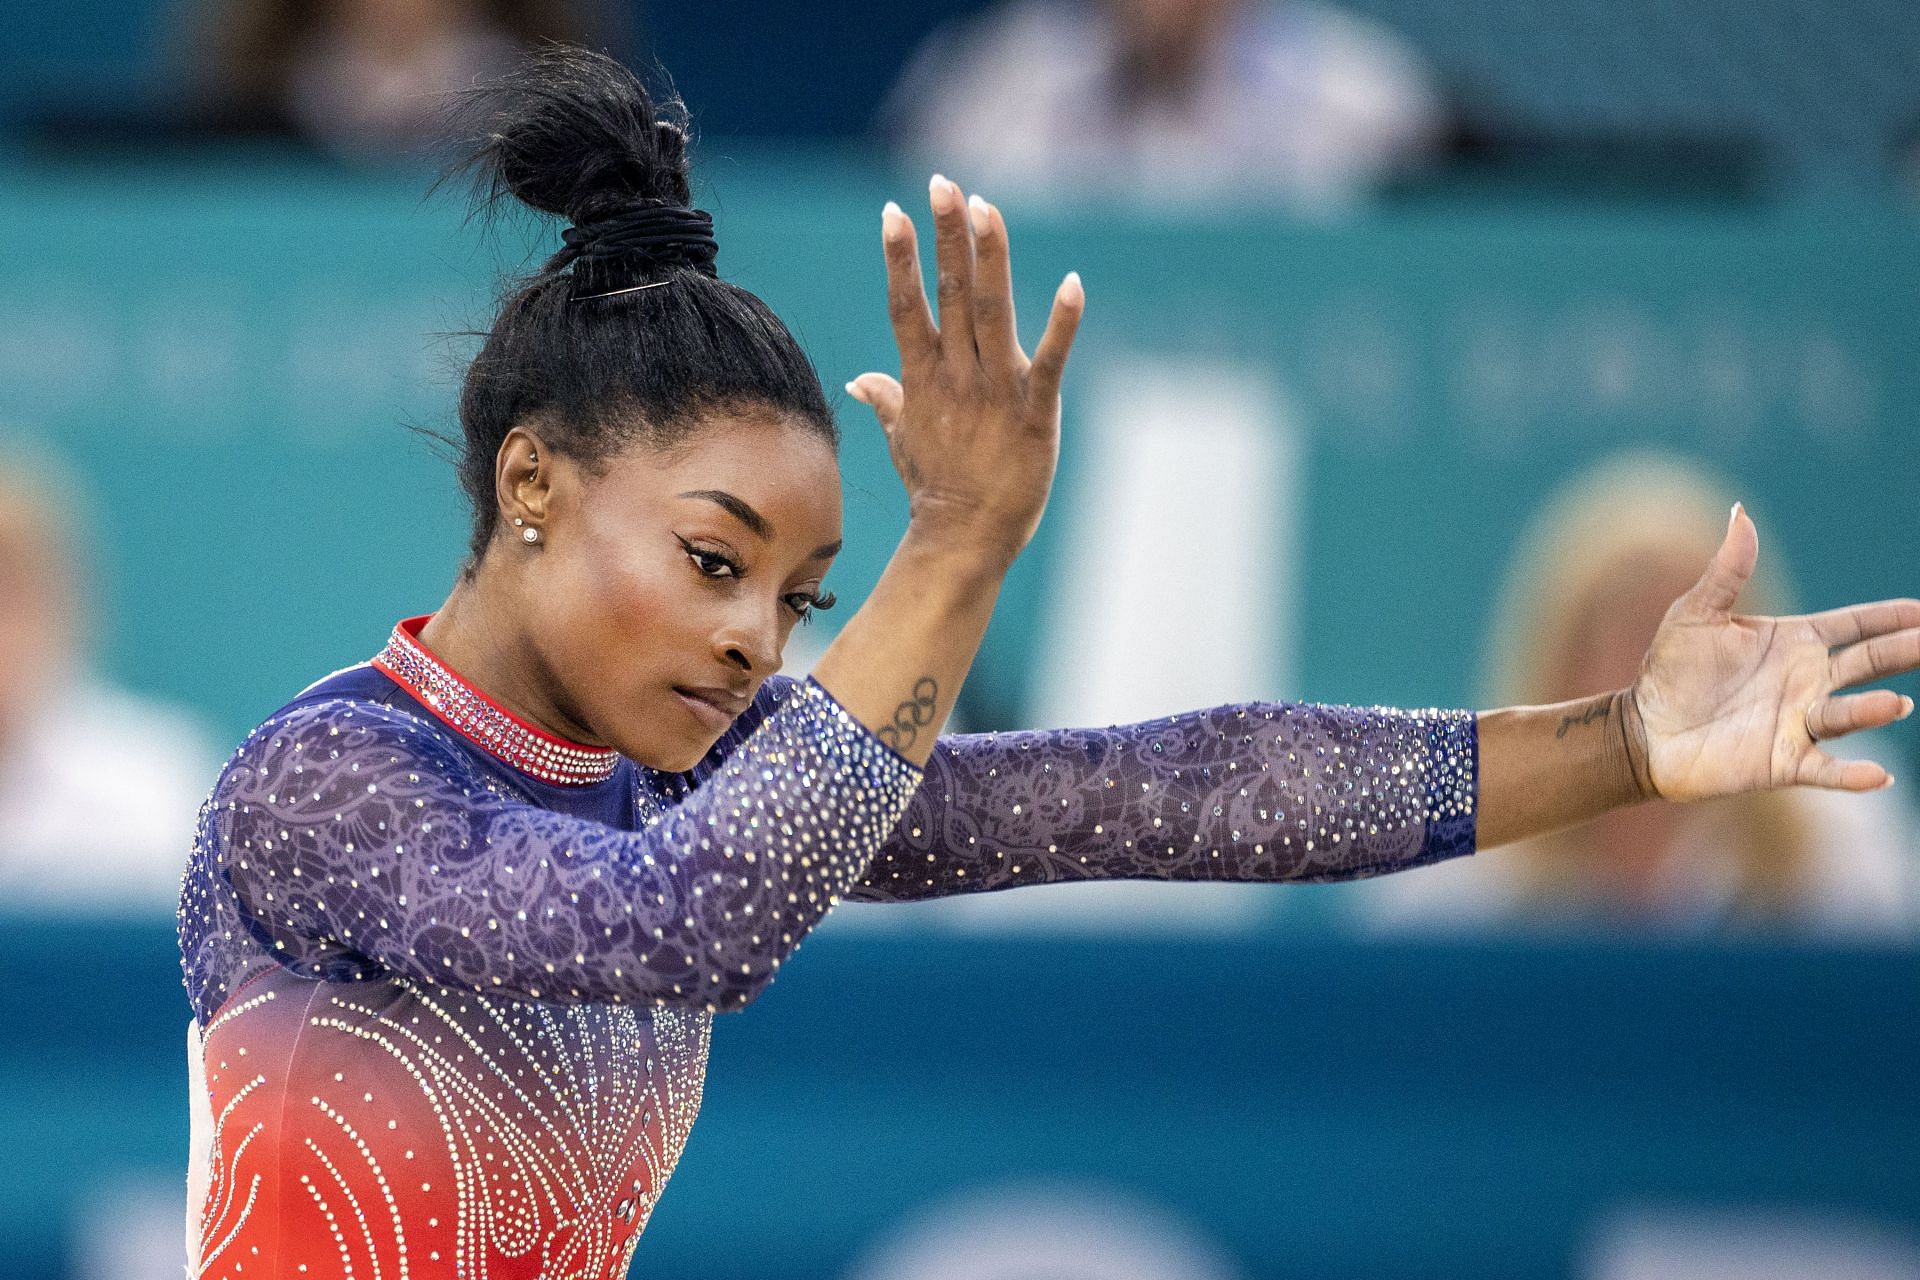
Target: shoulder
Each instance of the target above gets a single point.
(134, 747)
(359, 704)
(1342, 49)
(343, 741)
(1012, 51)
(1021, 31)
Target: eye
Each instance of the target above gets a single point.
(803, 603)
(711, 564)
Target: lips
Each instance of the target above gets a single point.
(714, 708)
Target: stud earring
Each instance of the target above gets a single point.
(530, 535)
(517, 521)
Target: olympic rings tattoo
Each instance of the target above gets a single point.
(911, 716)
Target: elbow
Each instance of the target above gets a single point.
(753, 988)
(733, 991)
(744, 975)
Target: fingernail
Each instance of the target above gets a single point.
(888, 213)
(942, 192)
(1906, 706)
(978, 208)
(853, 389)
(1072, 289)
(1887, 783)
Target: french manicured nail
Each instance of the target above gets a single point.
(1887, 783)
(1071, 289)
(942, 192)
(853, 389)
(890, 219)
(1906, 706)
(977, 208)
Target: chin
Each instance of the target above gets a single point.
(675, 755)
(663, 757)
(678, 763)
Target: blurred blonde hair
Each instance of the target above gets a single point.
(1589, 536)
(40, 492)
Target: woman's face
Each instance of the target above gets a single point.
(664, 587)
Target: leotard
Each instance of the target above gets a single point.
(453, 979)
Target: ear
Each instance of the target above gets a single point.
(523, 478)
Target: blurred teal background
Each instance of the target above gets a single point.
(229, 351)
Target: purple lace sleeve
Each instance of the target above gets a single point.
(1262, 791)
(356, 840)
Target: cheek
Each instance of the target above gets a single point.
(624, 621)
(656, 603)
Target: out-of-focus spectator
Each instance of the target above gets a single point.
(98, 788)
(364, 79)
(1168, 100)
(1589, 587)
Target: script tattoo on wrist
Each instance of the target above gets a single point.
(913, 715)
(1598, 711)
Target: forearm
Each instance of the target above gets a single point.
(1547, 767)
(898, 664)
(1249, 792)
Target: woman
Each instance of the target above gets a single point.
(457, 919)
(1589, 584)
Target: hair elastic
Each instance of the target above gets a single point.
(659, 235)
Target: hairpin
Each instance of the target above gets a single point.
(614, 293)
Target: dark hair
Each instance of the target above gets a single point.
(572, 132)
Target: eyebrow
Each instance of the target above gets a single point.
(756, 523)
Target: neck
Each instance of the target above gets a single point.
(470, 633)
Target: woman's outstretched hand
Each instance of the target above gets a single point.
(972, 423)
(1727, 703)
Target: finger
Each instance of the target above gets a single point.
(1859, 621)
(1818, 769)
(995, 333)
(1050, 357)
(1832, 717)
(882, 394)
(1727, 573)
(1876, 659)
(913, 329)
(954, 246)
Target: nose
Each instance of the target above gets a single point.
(751, 644)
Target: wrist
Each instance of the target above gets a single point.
(1633, 765)
(951, 545)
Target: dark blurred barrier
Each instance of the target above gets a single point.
(1323, 1110)
(1807, 95)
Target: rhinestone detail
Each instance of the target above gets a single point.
(484, 722)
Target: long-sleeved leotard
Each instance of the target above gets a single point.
(454, 997)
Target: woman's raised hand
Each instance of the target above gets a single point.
(1730, 703)
(972, 423)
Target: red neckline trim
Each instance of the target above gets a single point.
(481, 720)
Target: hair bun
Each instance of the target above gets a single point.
(573, 132)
